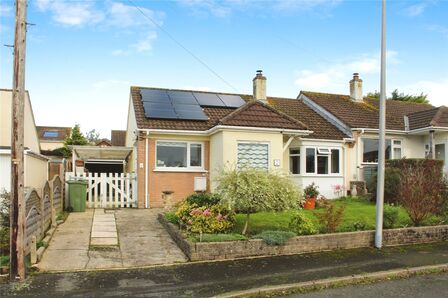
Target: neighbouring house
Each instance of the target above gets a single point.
(35, 164)
(52, 137)
(118, 137)
(103, 143)
(182, 139)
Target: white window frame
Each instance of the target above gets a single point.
(316, 150)
(392, 146)
(254, 142)
(295, 155)
(188, 168)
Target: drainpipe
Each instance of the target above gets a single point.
(146, 170)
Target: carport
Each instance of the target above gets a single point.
(94, 159)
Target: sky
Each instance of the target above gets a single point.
(83, 56)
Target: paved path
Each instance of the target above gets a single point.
(104, 229)
(69, 247)
(88, 240)
(209, 279)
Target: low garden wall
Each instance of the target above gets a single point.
(202, 251)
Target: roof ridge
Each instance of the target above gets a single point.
(440, 111)
(257, 102)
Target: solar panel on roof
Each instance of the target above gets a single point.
(233, 101)
(182, 97)
(161, 114)
(208, 99)
(158, 105)
(151, 95)
(190, 112)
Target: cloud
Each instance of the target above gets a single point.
(145, 44)
(121, 15)
(439, 29)
(415, 10)
(226, 7)
(334, 77)
(113, 14)
(72, 13)
(437, 90)
(5, 10)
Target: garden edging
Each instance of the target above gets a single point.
(206, 251)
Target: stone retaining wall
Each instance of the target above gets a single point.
(302, 244)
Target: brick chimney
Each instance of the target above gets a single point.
(356, 88)
(259, 83)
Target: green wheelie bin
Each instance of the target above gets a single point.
(77, 190)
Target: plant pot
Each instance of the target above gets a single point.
(310, 203)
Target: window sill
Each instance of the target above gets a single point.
(180, 170)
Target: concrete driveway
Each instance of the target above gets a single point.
(142, 242)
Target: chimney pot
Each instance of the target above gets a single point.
(356, 88)
(259, 87)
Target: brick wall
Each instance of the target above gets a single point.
(303, 244)
(180, 183)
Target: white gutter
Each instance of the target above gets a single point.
(146, 170)
(375, 130)
(427, 129)
(322, 140)
(221, 127)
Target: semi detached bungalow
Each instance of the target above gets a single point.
(182, 139)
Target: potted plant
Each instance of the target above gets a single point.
(310, 192)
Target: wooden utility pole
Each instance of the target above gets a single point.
(17, 209)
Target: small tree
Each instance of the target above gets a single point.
(421, 187)
(93, 136)
(250, 190)
(395, 95)
(75, 138)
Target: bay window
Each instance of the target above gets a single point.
(320, 161)
(174, 154)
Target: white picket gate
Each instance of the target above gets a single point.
(108, 190)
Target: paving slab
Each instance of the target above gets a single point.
(104, 241)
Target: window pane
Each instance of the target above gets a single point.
(322, 164)
(195, 155)
(294, 151)
(440, 151)
(370, 153)
(310, 153)
(253, 155)
(171, 154)
(294, 164)
(335, 161)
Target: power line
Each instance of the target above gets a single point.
(182, 46)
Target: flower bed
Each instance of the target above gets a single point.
(202, 251)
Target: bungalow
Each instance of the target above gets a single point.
(182, 139)
(35, 164)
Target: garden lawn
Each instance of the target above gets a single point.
(357, 210)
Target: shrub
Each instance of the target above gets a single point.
(218, 237)
(274, 237)
(205, 219)
(322, 202)
(301, 225)
(311, 191)
(391, 185)
(4, 223)
(421, 187)
(203, 199)
(359, 226)
(171, 217)
(331, 218)
(250, 190)
(390, 216)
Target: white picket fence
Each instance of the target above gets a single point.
(108, 190)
